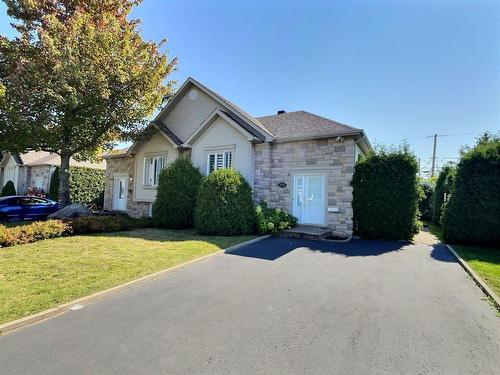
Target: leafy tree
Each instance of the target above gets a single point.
(8, 189)
(77, 78)
(176, 195)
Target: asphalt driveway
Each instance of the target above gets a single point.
(278, 307)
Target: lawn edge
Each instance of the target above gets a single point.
(477, 279)
(60, 309)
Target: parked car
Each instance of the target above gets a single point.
(25, 207)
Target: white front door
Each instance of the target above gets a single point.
(309, 198)
(120, 193)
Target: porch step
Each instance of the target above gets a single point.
(306, 232)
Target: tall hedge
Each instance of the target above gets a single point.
(176, 195)
(472, 214)
(385, 195)
(8, 189)
(87, 185)
(425, 201)
(443, 186)
(225, 205)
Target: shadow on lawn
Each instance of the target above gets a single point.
(274, 248)
(172, 235)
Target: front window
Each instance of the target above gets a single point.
(219, 160)
(152, 168)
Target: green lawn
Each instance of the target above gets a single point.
(47, 273)
(485, 261)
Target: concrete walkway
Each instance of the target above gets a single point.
(279, 306)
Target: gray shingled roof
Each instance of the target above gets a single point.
(169, 133)
(302, 124)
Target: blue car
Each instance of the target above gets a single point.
(25, 207)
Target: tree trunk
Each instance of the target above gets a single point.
(64, 180)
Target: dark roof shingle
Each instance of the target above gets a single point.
(302, 124)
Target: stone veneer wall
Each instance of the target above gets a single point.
(276, 162)
(123, 165)
(41, 173)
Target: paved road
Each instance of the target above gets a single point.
(278, 307)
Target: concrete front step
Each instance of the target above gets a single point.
(306, 232)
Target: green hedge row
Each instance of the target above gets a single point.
(41, 230)
(385, 195)
(472, 214)
(219, 204)
(443, 187)
(86, 185)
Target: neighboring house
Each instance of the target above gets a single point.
(34, 169)
(297, 161)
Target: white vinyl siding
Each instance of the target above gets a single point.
(187, 115)
(219, 160)
(153, 164)
(221, 137)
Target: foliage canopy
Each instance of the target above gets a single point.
(77, 78)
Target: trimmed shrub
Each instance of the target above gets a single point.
(425, 201)
(36, 231)
(273, 220)
(98, 224)
(86, 185)
(385, 195)
(176, 195)
(224, 205)
(472, 214)
(443, 188)
(54, 185)
(8, 189)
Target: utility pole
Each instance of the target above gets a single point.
(433, 166)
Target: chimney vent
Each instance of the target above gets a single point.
(281, 111)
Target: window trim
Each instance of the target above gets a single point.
(144, 165)
(224, 154)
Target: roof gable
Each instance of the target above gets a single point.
(241, 117)
(210, 120)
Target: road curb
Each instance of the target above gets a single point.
(60, 309)
(480, 283)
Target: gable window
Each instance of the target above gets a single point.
(152, 168)
(219, 160)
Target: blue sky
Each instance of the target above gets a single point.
(398, 69)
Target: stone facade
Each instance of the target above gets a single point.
(119, 166)
(277, 162)
(274, 163)
(39, 176)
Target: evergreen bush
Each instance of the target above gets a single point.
(385, 195)
(224, 205)
(8, 189)
(425, 202)
(176, 195)
(443, 187)
(472, 214)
